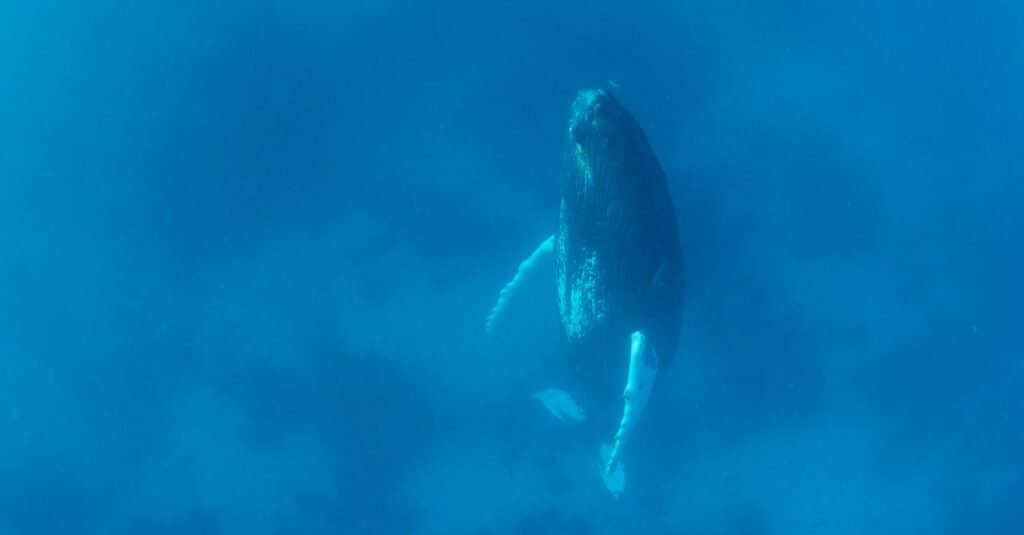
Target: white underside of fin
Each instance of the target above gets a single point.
(615, 478)
(560, 404)
(525, 268)
(643, 368)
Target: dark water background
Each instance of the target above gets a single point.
(248, 248)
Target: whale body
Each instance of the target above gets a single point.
(618, 268)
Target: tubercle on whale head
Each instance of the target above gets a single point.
(594, 116)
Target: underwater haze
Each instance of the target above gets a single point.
(248, 250)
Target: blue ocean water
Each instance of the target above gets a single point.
(249, 247)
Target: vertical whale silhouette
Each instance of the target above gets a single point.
(618, 266)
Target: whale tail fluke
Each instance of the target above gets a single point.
(560, 404)
(526, 267)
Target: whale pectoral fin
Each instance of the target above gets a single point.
(615, 477)
(560, 404)
(643, 368)
(526, 268)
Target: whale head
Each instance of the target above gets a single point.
(597, 121)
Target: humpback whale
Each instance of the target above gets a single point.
(618, 269)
